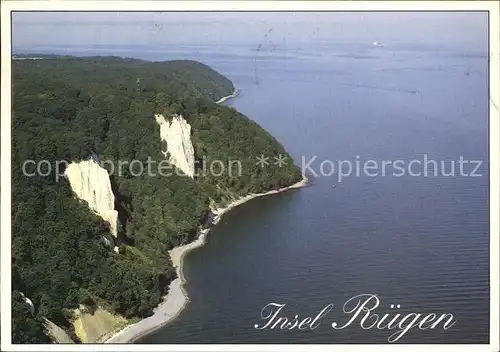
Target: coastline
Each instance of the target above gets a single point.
(177, 298)
(227, 97)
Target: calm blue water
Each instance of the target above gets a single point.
(421, 242)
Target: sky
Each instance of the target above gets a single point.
(31, 30)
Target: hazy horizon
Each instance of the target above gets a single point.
(32, 31)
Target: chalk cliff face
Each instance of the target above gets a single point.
(177, 134)
(91, 183)
(56, 333)
(29, 302)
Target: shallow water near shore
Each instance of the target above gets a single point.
(420, 242)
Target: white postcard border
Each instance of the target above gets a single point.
(494, 167)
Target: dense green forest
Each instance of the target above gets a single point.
(67, 108)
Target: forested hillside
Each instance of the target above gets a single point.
(67, 108)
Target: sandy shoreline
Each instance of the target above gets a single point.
(177, 298)
(227, 97)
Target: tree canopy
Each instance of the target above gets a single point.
(68, 108)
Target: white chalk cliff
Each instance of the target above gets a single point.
(29, 302)
(91, 183)
(177, 134)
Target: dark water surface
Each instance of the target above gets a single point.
(420, 242)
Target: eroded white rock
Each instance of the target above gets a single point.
(177, 134)
(29, 302)
(91, 183)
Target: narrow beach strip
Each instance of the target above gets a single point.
(177, 298)
(227, 97)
